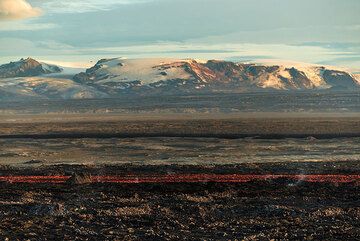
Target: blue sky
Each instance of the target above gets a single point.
(79, 31)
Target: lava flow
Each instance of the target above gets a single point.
(187, 178)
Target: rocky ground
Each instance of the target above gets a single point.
(278, 209)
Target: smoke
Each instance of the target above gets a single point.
(17, 9)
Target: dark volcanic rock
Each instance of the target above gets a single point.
(78, 179)
(197, 211)
(31, 162)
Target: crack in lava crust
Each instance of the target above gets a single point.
(186, 178)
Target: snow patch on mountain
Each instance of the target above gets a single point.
(144, 70)
(43, 87)
(357, 77)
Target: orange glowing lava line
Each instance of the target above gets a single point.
(187, 178)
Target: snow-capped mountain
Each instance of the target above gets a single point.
(27, 67)
(29, 78)
(117, 76)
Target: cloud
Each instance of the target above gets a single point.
(12, 26)
(76, 6)
(232, 51)
(17, 9)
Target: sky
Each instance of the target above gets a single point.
(79, 32)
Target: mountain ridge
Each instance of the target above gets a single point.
(211, 75)
(118, 77)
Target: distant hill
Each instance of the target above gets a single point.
(31, 79)
(27, 67)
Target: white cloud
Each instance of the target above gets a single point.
(21, 26)
(17, 9)
(10, 47)
(220, 51)
(80, 6)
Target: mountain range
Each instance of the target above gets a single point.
(29, 78)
